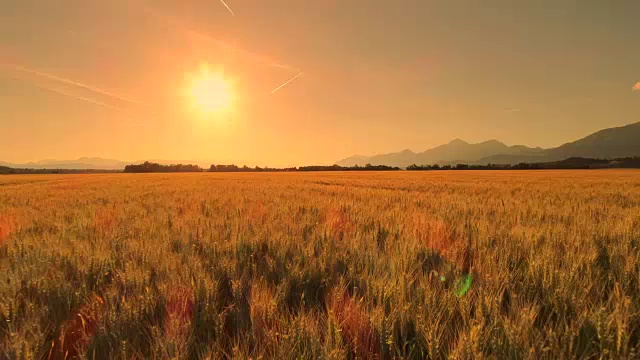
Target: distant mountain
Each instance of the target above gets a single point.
(608, 143)
(618, 142)
(81, 163)
(94, 163)
(402, 159)
(356, 159)
(605, 144)
(454, 152)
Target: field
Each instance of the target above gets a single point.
(321, 265)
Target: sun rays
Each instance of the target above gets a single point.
(208, 91)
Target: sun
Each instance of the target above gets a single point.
(209, 92)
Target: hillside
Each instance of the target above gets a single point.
(605, 144)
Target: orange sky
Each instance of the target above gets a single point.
(87, 78)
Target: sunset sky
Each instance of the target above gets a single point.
(123, 79)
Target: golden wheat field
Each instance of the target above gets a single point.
(321, 265)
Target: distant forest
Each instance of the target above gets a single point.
(149, 167)
(368, 167)
(568, 164)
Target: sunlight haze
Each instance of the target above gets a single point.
(292, 82)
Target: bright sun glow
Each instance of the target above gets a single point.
(209, 92)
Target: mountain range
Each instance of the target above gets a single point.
(605, 144)
(85, 163)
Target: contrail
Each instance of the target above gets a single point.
(65, 93)
(77, 97)
(70, 82)
(228, 8)
(259, 58)
(176, 23)
(286, 83)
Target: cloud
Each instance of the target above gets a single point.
(636, 87)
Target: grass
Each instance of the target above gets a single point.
(321, 265)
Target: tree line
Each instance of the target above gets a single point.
(567, 164)
(368, 167)
(149, 167)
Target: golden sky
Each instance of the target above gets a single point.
(128, 79)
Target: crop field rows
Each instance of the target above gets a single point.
(321, 265)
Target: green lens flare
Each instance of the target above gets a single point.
(464, 284)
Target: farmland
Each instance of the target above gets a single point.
(321, 265)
